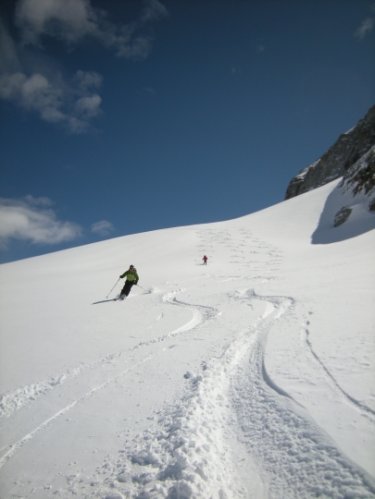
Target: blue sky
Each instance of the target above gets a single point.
(124, 117)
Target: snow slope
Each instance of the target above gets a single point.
(251, 377)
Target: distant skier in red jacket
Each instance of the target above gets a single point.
(205, 259)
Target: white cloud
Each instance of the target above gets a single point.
(89, 106)
(8, 51)
(66, 19)
(72, 102)
(34, 93)
(365, 28)
(72, 20)
(55, 101)
(33, 220)
(131, 40)
(131, 46)
(102, 228)
(153, 11)
(88, 79)
(39, 201)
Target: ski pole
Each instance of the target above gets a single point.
(113, 287)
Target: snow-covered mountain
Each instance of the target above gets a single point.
(249, 377)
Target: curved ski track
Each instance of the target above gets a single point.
(27, 396)
(232, 399)
(190, 455)
(278, 431)
(367, 411)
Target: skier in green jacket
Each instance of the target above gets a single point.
(131, 279)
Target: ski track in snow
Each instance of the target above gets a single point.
(16, 400)
(13, 448)
(22, 397)
(262, 407)
(190, 454)
(367, 411)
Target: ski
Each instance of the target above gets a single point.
(104, 301)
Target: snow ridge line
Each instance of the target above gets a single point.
(13, 448)
(277, 431)
(370, 413)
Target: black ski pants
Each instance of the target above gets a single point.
(127, 287)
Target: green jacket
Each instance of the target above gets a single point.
(131, 275)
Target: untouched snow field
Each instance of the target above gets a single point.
(251, 377)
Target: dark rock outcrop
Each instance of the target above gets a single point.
(336, 162)
(342, 216)
(361, 176)
(349, 209)
(359, 180)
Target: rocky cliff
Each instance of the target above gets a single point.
(339, 159)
